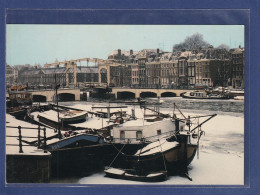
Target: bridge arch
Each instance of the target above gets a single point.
(168, 94)
(125, 95)
(63, 97)
(39, 98)
(181, 94)
(145, 94)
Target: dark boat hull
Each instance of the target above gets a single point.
(17, 112)
(76, 119)
(172, 161)
(205, 98)
(83, 157)
(77, 161)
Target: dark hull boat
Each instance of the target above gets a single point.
(79, 155)
(18, 112)
(203, 95)
(170, 155)
(130, 174)
(235, 93)
(48, 116)
(78, 161)
(157, 160)
(15, 103)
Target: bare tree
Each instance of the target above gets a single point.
(223, 46)
(192, 42)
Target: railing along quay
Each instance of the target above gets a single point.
(20, 137)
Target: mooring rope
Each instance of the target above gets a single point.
(162, 156)
(117, 155)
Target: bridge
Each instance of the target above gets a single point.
(47, 95)
(137, 93)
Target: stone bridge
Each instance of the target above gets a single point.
(64, 95)
(137, 93)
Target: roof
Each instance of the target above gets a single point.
(238, 51)
(186, 54)
(125, 53)
(31, 72)
(82, 69)
(166, 56)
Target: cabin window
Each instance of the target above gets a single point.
(191, 94)
(27, 96)
(139, 135)
(159, 132)
(122, 135)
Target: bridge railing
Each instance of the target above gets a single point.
(180, 88)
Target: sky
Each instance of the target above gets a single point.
(40, 44)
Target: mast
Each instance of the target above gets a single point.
(57, 104)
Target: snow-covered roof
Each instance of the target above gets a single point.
(125, 53)
(238, 51)
(186, 54)
(140, 122)
(84, 69)
(157, 147)
(166, 56)
(31, 72)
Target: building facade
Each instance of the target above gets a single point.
(45, 76)
(238, 68)
(148, 68)
(11, 75)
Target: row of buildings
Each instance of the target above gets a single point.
(148, 68)
(199, 68)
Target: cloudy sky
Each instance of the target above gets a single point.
(31, 44)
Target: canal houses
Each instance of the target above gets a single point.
(86, 134)
(147, 68)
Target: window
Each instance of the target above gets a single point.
(122, 135)
(139, 135)
(159, 132)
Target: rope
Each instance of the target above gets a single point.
(162, 156)
(198, 143)
(120, 151)
(117, 155)
(180, 111)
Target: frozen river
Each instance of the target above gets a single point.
(221, 155)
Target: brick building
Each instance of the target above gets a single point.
(238, 67)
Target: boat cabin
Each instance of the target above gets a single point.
(19, 98)
(198, 94)
(134, 131)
